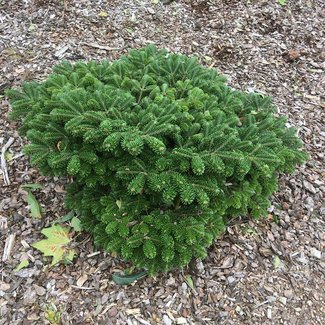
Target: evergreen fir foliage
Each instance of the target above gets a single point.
(161, 151)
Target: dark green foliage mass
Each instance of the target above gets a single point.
(161, 151)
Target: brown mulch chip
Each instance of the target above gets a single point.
(270, 271)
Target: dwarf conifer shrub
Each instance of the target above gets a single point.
(161, 151)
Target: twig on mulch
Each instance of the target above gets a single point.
(82, 288)
(102, 47)
(3, 161)
(3, 223)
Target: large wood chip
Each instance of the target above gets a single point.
(8, 247)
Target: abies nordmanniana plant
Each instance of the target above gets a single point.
(161, 151)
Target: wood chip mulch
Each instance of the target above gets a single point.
(270, 271)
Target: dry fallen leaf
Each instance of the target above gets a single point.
(59, 189)
(293, 55)
(4, 286)
(82, 280)
(228, 262)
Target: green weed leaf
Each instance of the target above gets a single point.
(64, 218)
(34, 207)
(128, 279)
(189, 281)
(56, 244)
(76, 224)
(24, 263)
(276, 262)
(34, 186)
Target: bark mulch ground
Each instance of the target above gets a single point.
(260, 272)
